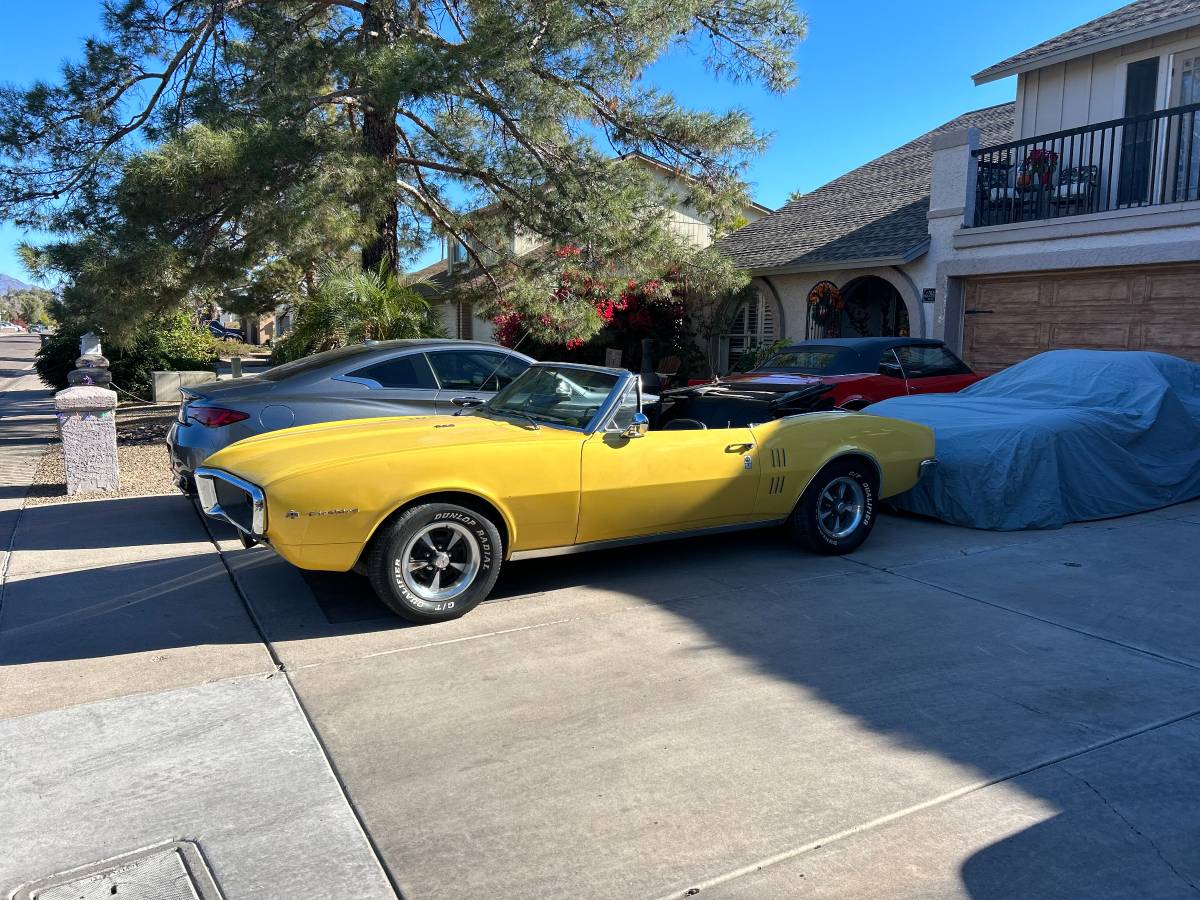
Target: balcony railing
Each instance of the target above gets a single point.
(1137, 161)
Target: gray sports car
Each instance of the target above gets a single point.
(378, 378)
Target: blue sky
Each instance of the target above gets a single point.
(871, 75)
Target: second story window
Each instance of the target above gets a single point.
(458, 252)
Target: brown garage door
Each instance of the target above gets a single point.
(1009, 318)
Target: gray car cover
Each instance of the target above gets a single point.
(1066, 436)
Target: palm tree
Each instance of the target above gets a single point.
(350, 306)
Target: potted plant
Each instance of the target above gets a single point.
(1040, 163)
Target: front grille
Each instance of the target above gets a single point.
(236, 503)
(226, 496)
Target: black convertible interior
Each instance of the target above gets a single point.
(734, 406)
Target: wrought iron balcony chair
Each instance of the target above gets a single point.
(999, 202)
(1076, 191)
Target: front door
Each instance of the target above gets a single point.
(666, 481)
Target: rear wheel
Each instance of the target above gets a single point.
(837, 511)
(436, 562)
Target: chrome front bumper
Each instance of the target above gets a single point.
(240, 503)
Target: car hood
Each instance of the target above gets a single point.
(277, 455)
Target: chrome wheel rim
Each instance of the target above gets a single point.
(439, 562)
(840, 508)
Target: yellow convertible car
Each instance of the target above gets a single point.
(561, 460)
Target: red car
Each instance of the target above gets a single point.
(836, 373)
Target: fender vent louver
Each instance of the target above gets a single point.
(778, 457)
(776, 485)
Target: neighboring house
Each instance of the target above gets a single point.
(861, 242)
(461, 320)
(260, 329)
(1070, 218)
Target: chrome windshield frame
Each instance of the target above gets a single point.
(207, 493)
(607, 408)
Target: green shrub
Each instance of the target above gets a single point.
(173, 342)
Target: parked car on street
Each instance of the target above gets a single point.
(38, 329)
(225, 332)
(834, 373)
(9, 326)
(1066, 436)
(561, 460)
(378, 378)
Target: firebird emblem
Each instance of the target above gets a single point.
(344, 511)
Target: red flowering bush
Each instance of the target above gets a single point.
(577, 307)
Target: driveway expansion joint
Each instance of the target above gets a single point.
(941, 800)
(1133, 648)
(279, 667)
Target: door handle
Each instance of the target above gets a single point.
(738, 448)
(467, 402)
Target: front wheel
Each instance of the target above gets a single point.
(436, 562)
(837, 511)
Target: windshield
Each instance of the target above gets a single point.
(555, 395)
(809, 362)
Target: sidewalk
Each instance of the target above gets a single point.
(26, 426)
(139, 704)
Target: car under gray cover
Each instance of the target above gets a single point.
(1067, 436)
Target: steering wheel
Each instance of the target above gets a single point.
(685, 425)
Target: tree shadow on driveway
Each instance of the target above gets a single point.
(642, 720)
(808, 696)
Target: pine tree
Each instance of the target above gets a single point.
(236, 145)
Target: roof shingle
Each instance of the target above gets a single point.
(877, 211)
(1128, 20)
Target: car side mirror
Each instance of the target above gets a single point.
(637, 427)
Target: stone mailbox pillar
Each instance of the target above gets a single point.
(87, 423)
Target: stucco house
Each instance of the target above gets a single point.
(1068, 218)
(461, 320)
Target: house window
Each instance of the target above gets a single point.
(458, 252)
(1185, 90)
(754, 323)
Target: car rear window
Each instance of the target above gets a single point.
(807, 362)
(316, 361)
(409, 371)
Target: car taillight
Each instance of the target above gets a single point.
(216, 416)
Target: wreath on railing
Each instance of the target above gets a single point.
(825, 305)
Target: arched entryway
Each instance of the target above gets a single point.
(865, 307)
(755, 321)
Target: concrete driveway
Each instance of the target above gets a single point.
(947, 713)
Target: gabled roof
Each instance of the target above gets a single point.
(682, 176)
(433, 279)
(1137, 21)
(874, 215)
